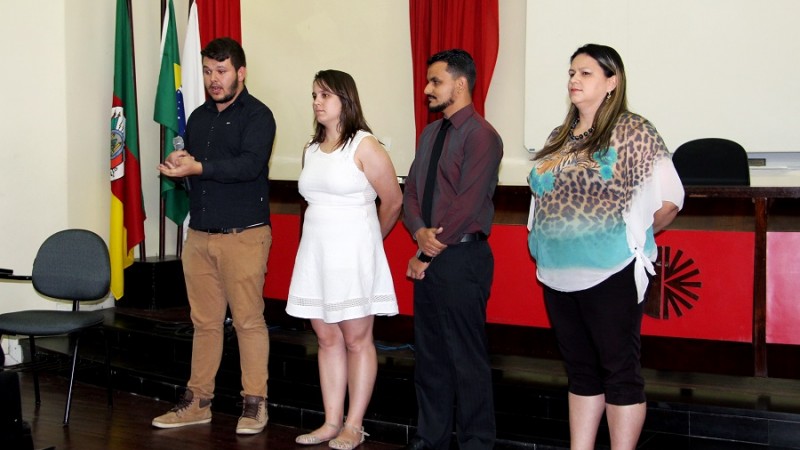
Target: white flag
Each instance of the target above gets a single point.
(194, 93)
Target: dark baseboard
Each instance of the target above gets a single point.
(154, 284)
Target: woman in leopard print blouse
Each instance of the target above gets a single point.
(602, 185)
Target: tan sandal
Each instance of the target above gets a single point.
(346, 444)
(314, 439)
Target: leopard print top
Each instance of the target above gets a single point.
(580, 231)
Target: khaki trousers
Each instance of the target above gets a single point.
(224, 270)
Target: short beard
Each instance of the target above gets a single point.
(440, 107)
(229, 97)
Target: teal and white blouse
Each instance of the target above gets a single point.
(590, 217)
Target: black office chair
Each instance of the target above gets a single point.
(712, 162)
(70, 265)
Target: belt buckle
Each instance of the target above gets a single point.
(473, 237)
(231, 230)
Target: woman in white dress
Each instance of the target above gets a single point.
(341, 277)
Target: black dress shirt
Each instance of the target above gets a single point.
(234, 145)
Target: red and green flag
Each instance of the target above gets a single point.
(127, 208)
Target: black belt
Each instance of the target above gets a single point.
(472, 237)
(229, 230)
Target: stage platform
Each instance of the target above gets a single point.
(151, 354)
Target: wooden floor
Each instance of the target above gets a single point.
(696, 411)
(127, 426)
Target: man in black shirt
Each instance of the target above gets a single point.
(229, 142)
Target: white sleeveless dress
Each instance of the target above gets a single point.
(341, 271)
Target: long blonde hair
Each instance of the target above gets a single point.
(608, 113)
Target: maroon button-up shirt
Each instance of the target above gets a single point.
(465, 183)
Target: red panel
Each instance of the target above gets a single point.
(516, 297)
(399, 247)
(783, 284)
(704, 289)
(285, 240)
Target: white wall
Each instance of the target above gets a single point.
(34, 181)
(54, 153)
(696, 68)
(288, 42)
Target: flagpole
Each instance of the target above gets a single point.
(179, 243)
(142, 251)
(161, 203)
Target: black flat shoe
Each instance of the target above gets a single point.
(415, 444)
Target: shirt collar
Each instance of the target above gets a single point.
(462, 115)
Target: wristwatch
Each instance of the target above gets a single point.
(423, 257)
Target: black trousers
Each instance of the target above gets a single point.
(452, 375)
(599, 335)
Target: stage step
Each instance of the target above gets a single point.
(151, 357)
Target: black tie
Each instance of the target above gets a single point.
(430, 179)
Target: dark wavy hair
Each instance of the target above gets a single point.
(352, 118)
(606, 117)
(459, 63)
(221, 49)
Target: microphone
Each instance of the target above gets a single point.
(177, 144)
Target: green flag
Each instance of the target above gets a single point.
(169, 112)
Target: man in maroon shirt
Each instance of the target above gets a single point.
(449, 212)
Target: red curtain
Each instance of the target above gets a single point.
(436, 25)
(219, 18)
